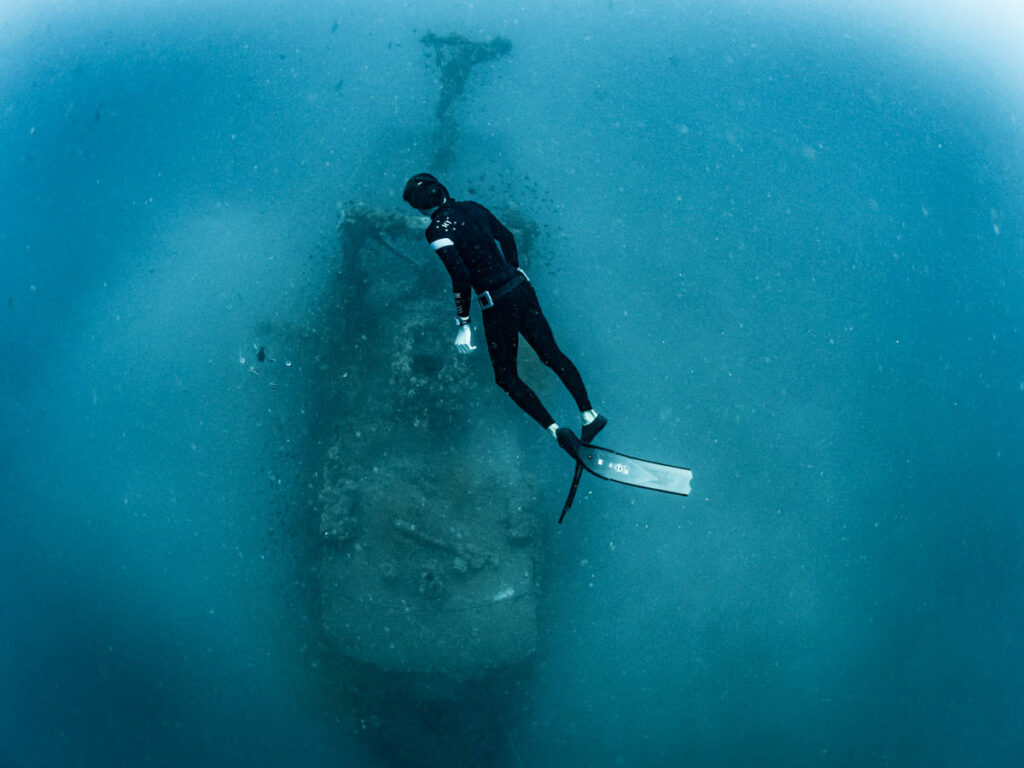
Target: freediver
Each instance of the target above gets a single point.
(466, 236)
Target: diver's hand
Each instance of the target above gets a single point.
(462, 340)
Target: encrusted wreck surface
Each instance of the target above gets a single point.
(429, 519)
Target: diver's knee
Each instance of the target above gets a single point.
(556, 361)
(505, 379)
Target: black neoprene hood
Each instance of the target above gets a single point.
(424, 191)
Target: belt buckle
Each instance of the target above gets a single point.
(486, 302)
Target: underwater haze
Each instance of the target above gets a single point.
(783, 242)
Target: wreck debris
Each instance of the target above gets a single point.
(417, 539)
(455, 57)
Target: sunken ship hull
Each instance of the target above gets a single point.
(429, 514)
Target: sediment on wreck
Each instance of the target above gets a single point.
(428, 516)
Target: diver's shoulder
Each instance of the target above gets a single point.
(473, 209)
(460, 212)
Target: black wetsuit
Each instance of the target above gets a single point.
(466, 236)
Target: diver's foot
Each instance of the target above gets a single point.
(590, 430)
(568, 440)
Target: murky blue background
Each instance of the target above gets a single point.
(785, 247)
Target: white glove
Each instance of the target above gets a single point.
(462, 340)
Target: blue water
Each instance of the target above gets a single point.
(785, 247)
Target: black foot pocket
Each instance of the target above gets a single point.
(590, 430)
(568, 440)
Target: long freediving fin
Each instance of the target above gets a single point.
(620, 468)
(576, 475)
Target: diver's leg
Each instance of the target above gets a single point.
(536, 330)
(502, 333)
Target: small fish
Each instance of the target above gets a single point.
(261, 354)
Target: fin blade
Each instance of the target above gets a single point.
(629, 470)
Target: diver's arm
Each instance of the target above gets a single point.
(506, 240)
(461, 287)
